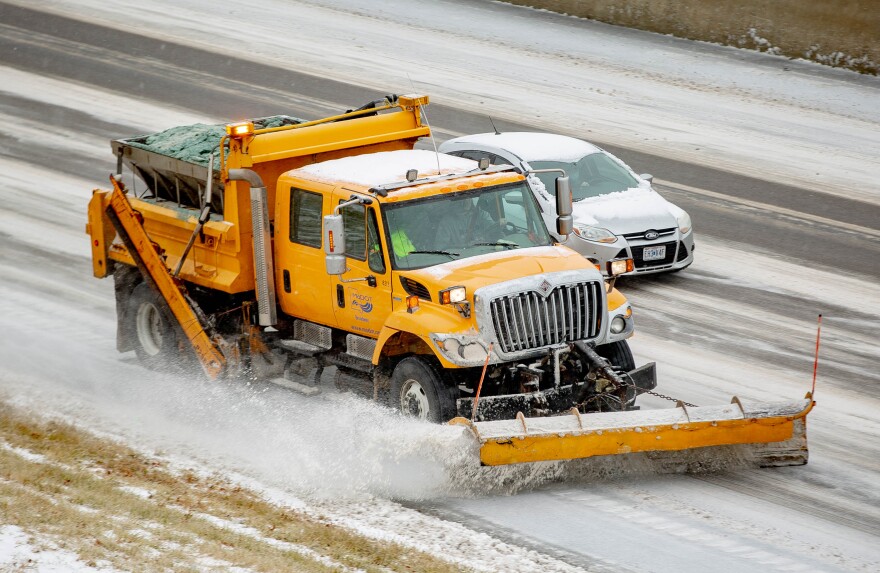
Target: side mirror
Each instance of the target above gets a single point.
(647, 177)
(564, 221)
(334, 244)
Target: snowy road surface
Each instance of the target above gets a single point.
(727, 127)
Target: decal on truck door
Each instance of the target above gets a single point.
(364, 292)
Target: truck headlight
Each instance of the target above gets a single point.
(619, 267)
(453, 295)
(684, 222)
(461, 349)
(594, 234)
(618, 325)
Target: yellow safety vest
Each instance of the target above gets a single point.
(401, 244)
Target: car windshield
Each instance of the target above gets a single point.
(592, 175)
(436, 230)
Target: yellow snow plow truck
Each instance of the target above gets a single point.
(278, 247)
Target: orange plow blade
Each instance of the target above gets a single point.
(781, 425)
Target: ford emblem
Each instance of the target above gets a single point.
(651, 235)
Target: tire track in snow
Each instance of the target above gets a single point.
(806, 498)
(745, 555)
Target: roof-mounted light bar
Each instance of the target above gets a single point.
(382, 190)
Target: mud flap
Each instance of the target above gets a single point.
(644, 378)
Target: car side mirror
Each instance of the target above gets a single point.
(647, 177)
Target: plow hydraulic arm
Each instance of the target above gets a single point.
(145, 253)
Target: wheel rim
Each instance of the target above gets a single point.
(149, 329)
(413, 400)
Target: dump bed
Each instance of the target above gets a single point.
(171, 172)
(173, 164)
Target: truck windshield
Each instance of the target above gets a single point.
(592, 175)
(430, 231)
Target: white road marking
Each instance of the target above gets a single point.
(768, 207)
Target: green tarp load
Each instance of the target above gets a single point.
(173, 163)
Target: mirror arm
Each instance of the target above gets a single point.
(371, 280)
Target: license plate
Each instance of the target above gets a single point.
(654, 253)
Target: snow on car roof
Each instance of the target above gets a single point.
(534, 146)
(374, 169)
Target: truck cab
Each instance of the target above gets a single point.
(441, 262)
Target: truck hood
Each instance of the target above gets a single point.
(482, 270)
(630, 211)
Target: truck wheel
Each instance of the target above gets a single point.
(155, 340)
(619, 354)
(417, 389)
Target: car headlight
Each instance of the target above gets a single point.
(684, 222)
(595, 234)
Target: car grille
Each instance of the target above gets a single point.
(640, 263)
(528, 320)
(641, 234)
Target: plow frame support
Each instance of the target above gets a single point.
(144, 252)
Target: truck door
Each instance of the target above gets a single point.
(362, 296)
(304, 288)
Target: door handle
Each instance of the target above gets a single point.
(340, 296)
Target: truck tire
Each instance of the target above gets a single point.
(155, 339)
(619, 354)
(418, 391)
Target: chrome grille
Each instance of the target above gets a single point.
(528, 320)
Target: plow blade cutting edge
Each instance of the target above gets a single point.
(780, 425)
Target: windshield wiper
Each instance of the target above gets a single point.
(506, 245)
(447, 253)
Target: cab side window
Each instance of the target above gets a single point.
(375, 256)
(362, 236)
(305, 217)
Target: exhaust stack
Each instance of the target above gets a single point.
(263, 263)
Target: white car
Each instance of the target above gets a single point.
(617, 214)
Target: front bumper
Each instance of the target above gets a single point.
(678, 251)
(557, 400)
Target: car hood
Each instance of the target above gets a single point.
(631, 211)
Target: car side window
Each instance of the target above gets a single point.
(477, 155)
(305, 217)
